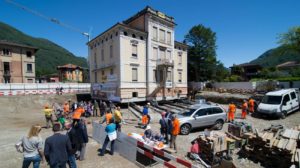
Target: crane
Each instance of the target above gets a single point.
(53, 20)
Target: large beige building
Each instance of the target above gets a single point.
(17, 63)
(139, 60)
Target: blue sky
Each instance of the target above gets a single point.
(245, 28)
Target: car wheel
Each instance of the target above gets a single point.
(219, 124)
(185, 129)
(283, 115)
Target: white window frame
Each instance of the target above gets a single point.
(169, 37)
(162, 35)
(155, 53)
(179, 58)
(134, 69)
(135, 55)
(169, 55)
(154, 31)
(180, 77)
(162, 54)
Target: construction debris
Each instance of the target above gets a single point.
(273, 147)
(214, 147)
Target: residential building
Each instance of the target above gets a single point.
(70, 73)
(138, 60)
(288, 65)
(246, 71)
(17, 63)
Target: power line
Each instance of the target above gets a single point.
(53, 20)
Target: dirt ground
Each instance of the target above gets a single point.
(19, 113)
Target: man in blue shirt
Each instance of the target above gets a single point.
(110, 129)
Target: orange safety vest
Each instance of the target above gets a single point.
(244, 107)
(231, 108)
(176, 128)
(77, 113)
(145, 119)
(251, 103)
(108, 116)
(66, 108)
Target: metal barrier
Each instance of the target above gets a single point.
(11, 89)
(128, 147)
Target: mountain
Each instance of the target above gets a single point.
(277, 56)
(49, 55)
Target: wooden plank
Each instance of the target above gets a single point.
(291, 145)
(287, 133)
(295, 134)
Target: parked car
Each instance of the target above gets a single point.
(279, 103)
(202, 115)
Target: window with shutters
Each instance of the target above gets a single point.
(169, 37)
(102, 55)
(155, 53)
(154, 33)
(180, 77)
(162, 35)
(169, 77)
(134, 50)
(179, 58)
(95, 61)
(162, 54)
(111, 51)
(134, 75)
(169, 55)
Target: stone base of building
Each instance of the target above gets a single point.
(139, 94)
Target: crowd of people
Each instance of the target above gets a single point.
(69, 125)
(247, 107)
(169, 128)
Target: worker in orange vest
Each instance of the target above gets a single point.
(145, 120)
(66, 108)
(175, 131)
(107, 117)
(244, 109)
(231, 111)
(251, 105)
(77, 113)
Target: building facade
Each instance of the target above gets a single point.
(139, 60)
(17, 63)
(70, 73)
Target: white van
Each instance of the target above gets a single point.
(279, 103)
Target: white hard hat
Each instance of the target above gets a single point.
(148, 127)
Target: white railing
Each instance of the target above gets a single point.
(42, 88)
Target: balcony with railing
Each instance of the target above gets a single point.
(165, 62)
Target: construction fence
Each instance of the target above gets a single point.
(12, 89)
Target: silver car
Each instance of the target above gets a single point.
(202, 115)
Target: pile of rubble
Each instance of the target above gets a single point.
(274, 147)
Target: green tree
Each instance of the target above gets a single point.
(291, 38)
(202, 62)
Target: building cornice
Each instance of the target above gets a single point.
(120, 25)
